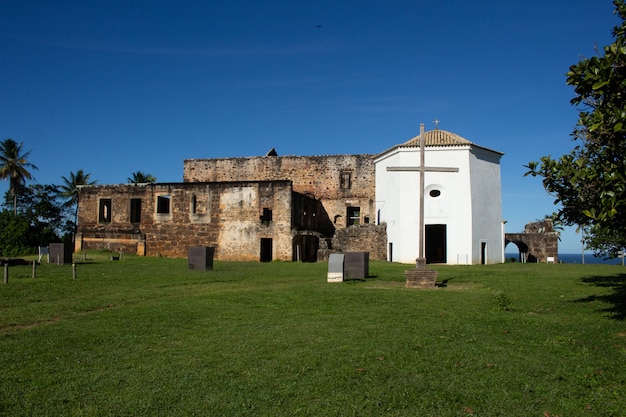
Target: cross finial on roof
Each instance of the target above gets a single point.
(436, 122)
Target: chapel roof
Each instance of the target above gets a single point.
(437, 137)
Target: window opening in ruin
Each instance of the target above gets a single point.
(266, 217)
(194, 203)
(104, 210)
(135, 210)
(345, 179)
(163, 204)
(337, 218)
(354, 215)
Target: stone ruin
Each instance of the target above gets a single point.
(538, 243)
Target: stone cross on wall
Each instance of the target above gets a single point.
(422, 169)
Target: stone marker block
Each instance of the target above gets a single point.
(356, 265)
(421, 278)
(200, 258)
(335, 267)
(60, 253)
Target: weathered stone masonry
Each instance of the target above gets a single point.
(344, 184)
(227, 216)
(257, 208)
(538, 242)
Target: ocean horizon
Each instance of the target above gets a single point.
(577, 258)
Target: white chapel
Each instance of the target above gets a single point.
(462, 204)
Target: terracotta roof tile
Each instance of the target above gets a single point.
(438, 137)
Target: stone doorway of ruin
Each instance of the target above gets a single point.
(266, 249)
(305, 248)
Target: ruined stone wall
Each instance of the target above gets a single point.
(309, 214)
(118, 234)
(227, 216)
(362, 238)
(542, 226)
(539, 241)
(242, 227)
(337, 181)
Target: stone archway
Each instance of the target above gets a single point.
(517, 240)
(538, 242)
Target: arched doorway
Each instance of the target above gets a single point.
(522, 250)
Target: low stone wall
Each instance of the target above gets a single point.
(370, 238)
(115, 242)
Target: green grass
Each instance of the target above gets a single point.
(146, 336)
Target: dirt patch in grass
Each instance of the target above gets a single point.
(8, 329)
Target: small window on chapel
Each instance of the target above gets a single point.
(434, 193)
(345, 179)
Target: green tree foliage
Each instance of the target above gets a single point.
(14, 232)
(589, 183)
(70, 187)
(141, 178)
(41, 218)
(47, 212)
(14, 166)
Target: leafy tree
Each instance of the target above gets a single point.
(589, 183)
(141, 178)
(47, 213)
(70, 187)
(14, 165)
(41, 218)
(13, 234)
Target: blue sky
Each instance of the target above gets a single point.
(113, 87)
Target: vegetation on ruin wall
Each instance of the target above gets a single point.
(147, 336)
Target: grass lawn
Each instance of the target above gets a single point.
(148, 337)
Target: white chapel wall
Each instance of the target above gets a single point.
(456, 196)
(487, 205)
(397, 197)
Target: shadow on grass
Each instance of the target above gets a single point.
(13, 262)
(617, 297)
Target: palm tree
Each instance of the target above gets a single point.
(14, 166)
(71, 187)
(141, 178)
